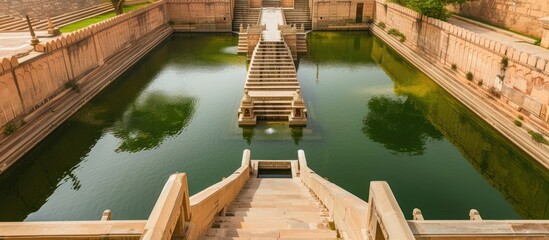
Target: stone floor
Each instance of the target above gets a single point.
(510, 39)
(18, 44)
(271, 18)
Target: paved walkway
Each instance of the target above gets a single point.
(18, 43)
(515, 42)
(271, 18)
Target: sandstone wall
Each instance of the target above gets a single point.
(201, 15)
(333, 14)
(526, 82)
(518, 15)
(27, 85)
(42, 8)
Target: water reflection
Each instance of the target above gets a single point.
(398, 125)
(248, 134)
(522, 181)
(148, 122)
(297, 134)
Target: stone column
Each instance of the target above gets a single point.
(246, 116)
(299, 114)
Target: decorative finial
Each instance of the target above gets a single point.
(34, 40)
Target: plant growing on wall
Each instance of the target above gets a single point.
(518, 123)
(370, 21)
(381, 25)
(430, 8)
(537, 137)
(73, 85)
(10, 128)
(397, 33)
(469, 76)
(495, 92)
(454, 67)
(504, 64)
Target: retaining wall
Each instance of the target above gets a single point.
(518, 15)
(525, 86)
(201, 15)
(329, 15)
(26, 86)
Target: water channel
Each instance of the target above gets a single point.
(372, 116)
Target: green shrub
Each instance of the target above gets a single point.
(518, 123)
(480, 83)
(397, 33)
(454, 67)
(520, 117)
(469, 76)
(495, 92)
(73, 85)
(381, 25)
(537, 42)
(10, 128)
(170, 23)
(370, 21)
(537, 137)
(504, 63)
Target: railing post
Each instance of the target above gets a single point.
(385, 219)
(246, 160)
(171, 210)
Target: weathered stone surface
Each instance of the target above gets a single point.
(518, 15)
(43, 8)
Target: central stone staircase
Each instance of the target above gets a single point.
(274, 208)
(272, 81)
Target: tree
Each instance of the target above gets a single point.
(118, 6)
(431, 8)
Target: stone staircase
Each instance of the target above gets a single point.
(299, 14)
(272, 81)
(270, 3)
(17, 24)
(244, 15)
(274, 208)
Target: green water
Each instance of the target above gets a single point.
(372, 116)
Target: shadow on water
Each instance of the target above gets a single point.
(522, 181)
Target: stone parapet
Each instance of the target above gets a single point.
(30, 86)
(526, 77)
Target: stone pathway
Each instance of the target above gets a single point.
(271, 18)
(515, 42)
(18, 44)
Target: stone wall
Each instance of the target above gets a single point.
(525, 84)
(201, 15)
(25, 86)
(518, 15)
(333, 14)
(40, 9)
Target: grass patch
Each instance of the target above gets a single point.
(89, 21)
